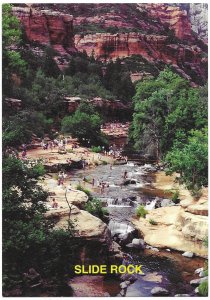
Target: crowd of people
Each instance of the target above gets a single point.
(61, 143)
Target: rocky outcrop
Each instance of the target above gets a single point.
(174, 17)
(186, 59)
(178, 227)
(199, 19)
(95, 243)
(86, 225)
(103, 105)
(46, 27)
(160, 33)
(151, 47)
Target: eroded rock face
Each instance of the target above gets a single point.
(198, 13)
(154, 48)
(95, 243)
(47, 27)
(160, 33)
(176, 18)
(104, 105)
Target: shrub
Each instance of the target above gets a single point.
(70, 151)
(96, 149)
(95, 208)
(203, 288)
(152, 222)
(175, 197)
(205, 241)
(141, 211)
(82, 189)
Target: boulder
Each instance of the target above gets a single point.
(158, 291)
(128, 277)
(197, 271)
(155, 249)
(125, 238)
(124, 284)
(178, 229)
(202, 274)
(138, 243)
(196, 282)
(188, 254)
(167, 202)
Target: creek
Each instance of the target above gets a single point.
(167, 269)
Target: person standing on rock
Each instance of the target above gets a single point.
(59, 178)
(54, 203)
(125, 175)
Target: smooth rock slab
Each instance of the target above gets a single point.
(158, 291)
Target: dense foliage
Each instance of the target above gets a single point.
(168, 124)
(85, 125)
(28, 238)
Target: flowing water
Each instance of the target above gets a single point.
(121, 196)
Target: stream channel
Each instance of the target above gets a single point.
(167, 269)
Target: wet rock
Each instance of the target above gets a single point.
(188, 254)
(167, 202)
(130, 245)
(158, 291)
(168, 250)
(196, 282)
(128, 277)
(129, 181)
(155, 249)
(124, 284)
(138, 243)
(197, 271)
(202, 274)
(125, 238)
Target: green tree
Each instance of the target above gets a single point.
(50, 67)
(29, 240)
(190, 159)
(84, 125)
(163, 107)
(11, 36)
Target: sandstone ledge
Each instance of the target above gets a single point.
(182, 227)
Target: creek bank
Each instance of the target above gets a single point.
(94, 236)
(181, 227)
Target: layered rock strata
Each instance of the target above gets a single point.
(47, 27)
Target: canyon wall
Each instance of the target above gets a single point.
(46, 27)
(160, 33)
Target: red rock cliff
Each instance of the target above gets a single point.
(47, 27)
(152, 47)
(174, 17)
